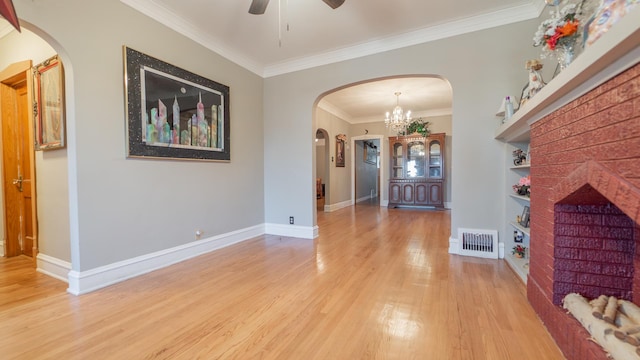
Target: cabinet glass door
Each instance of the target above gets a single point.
(435, 159)
(397, 161)
(415, 159)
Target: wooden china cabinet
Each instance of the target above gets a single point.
(417, 170)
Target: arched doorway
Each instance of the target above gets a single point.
(358, 110)
(53, 247)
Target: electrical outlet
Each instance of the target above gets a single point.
(291, 220)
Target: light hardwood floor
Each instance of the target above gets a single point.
(376, 284)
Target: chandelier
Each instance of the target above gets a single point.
(397, 120)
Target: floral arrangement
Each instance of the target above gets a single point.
(519, 250)
(419, 126)
(523, 187)
(560, 30)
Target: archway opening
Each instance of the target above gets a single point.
(357, 111)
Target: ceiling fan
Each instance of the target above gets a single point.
(259, 6)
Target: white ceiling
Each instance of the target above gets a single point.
(320, 35)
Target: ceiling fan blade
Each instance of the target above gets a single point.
(334, 3)
(258, 7)
(9, 13)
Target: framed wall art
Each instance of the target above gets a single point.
(370, 153)
(524, 219)
(49, 104)
(174, 113)
(341, 140)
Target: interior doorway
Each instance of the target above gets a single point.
(366, 171)
(323, 169)
(18, 165)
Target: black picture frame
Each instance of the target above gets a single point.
(524, 219)
(173, 113)
(341, 141)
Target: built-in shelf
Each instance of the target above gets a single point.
(525, 198)
(524, 166)
(519, 265)
(523, 229)
(614, 52)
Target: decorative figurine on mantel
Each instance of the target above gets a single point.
(535, 80)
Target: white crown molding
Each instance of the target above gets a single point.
(415, 115)
(463, 26)
(335, 111)
(476, 23)
(5, 28)
(182, 26)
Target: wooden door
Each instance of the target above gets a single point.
(421, 193)
(17, 160)
(435, 194)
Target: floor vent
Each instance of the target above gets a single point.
(479, 243)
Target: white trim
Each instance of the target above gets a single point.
(338, 206)
(182, 26)
(454, 246)
(447, 205)
(384, 203)
(53, 267)
(453, 28)
(364, 198)
(5, 29)
(417, 114)
(82, 282)
(334, 110)
(2, 247)
(304, 232)
(165, 17)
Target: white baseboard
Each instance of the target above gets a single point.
(86, 281)
(447, 205)
(364, 198)
(337, 206)
(304, 232)
(384, 203)
(2, 248)
(454, 246)
(53, 267)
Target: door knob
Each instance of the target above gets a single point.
(18, 182)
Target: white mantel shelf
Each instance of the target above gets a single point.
(614, 52)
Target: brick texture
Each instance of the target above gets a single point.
(585, 207)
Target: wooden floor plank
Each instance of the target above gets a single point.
(376, 284)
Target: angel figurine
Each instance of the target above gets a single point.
(535, 80)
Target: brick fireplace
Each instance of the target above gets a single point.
(585, 206)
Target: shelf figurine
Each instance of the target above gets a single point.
(535, 81)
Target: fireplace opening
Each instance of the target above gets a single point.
(594, 247)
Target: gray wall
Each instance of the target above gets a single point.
(118, 210)
(481, 67)
(339, 178)
(122, 208)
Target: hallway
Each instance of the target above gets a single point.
(376, 284)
